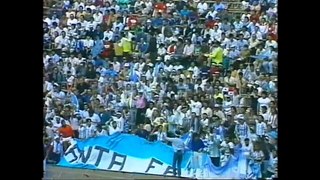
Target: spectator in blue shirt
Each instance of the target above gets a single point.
(104, 115)
(197, 146)
(185, 12)
(110, 72)
(241, 42)
(157, 21)
(171, 21)
(218, 6)
(238, 24)
(233, 53)
(97, 48)
(143, 46)
(196, 143)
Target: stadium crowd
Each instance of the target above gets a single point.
(152, 68)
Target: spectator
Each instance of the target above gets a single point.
(54, 151)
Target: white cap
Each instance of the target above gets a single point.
(126, 65)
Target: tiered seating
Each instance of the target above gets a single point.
(51, 5)
(234, 7)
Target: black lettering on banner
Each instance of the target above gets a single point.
(114, 162)
(71, 150)
(84, 158)
(101, 151)
(151, 162)
(169, 170)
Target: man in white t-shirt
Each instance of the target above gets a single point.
(264, 100)
(94, 118)
(72, 20)
(202, 7)
(196, 106)
(113, 128)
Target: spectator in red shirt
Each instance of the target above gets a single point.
(133, 21)
(66, 132)
(108, 49)
(254, 16)
(160, 7)
(272, 31)
(210, 23)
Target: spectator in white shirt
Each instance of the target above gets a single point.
(206, 109)
(90, 130)
(95, 119)
(261, 126)
(204, 120)
(118, 118)
(202, 7)
(272, 10)
(82, 131)
(211, 13)
(117, 24)
(162, 50)
(215, 34)
(72, 20)
(272, 119)
(50, 130)
(195, 70)
(263, 26)
(113, 128)
(160, 133)
(138, 5)
(253, 41)
(98, 17)
(57, 94)
(61, 40)
(100, 131)
(88, 42)
(271, 42)
(196, 105)
(188, 49)
(74, 122)
(91, 24)
(264, 113)
(56, 123)
(242, 129)
(264, 100)
(150, 110)
(83, 22)
(115, 6)
(227, 103)
(108, 34)
(69, 67)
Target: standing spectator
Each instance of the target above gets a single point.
(197, 146)
(67, 133)
(55, 150)
(179, 148)
(214, 150)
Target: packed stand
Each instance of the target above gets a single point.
(155, 68)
